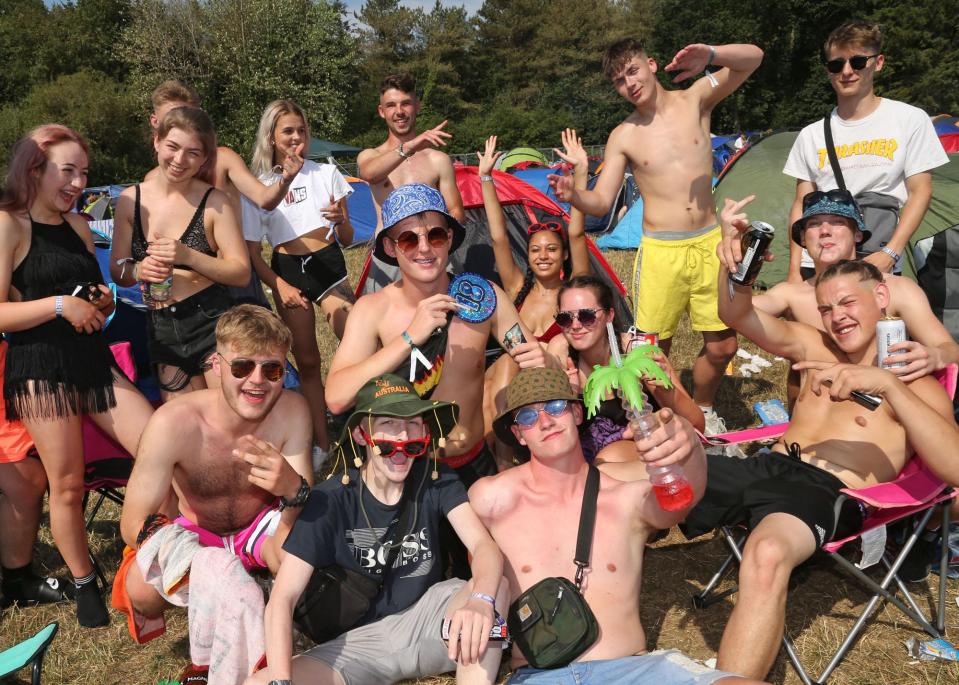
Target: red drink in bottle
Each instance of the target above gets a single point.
(670, 486)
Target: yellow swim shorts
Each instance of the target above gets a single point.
(677, 271)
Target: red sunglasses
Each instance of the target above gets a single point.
(553, 226)
(413, 448)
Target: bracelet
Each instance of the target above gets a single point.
(486, 178)
(891, 252)
(403, 153)
(299, 499)
(409, 340)
(712, 55)
(58, 306)
(485, 598)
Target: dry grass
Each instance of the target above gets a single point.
(821, 608)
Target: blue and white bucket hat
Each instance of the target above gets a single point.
(831, 205)
(407, 200)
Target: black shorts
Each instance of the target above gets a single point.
(184, 334)
(483, 464)
(748, 490)
(314, 274)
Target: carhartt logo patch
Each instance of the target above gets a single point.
(524, 612)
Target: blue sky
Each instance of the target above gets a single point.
(470, 5)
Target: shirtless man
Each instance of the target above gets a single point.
(666, 142)
(830, 230)
(237, 456)
(790, 497)
(410, 327)
(546, 494)
(405, 156)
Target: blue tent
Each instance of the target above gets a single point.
(362, 211)
(536, 177)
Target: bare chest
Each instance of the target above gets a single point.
(416, 169)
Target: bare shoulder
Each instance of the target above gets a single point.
(372, 304)
(492, 496)
(930, 391)
(11, 229)
(904, 292)
(226, 157)
(438, 158)
(290, 407)
(175, 423)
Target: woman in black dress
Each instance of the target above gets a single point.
(53, 305)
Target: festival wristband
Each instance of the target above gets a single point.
(486, 598)
(408, 340)
(890, 252)
(486, 178)
(58, 306)
(712, 55)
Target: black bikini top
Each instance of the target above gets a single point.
(193, 237)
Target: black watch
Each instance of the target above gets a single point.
(299, 499)
(285, 681)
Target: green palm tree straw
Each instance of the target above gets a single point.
(623, 376)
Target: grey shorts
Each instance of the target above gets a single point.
(661, 666)
(404, 645)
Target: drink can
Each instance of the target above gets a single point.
(637, 338)
(160, 292)
(755, 242)
(889, 331)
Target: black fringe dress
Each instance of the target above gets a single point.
(52, 370)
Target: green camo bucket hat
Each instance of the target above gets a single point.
(528, 387)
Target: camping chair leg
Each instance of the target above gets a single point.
(38, 665)
(706, 598)
(794, 658)
(101, 576)
(93, 513)
(943, 566)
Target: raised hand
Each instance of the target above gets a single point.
(268, 468)
(293, 163)
(573, 152)
(734, 222)
(434, 137)
(430, 314)
(562, 185)
(487, 158)
(689, 61)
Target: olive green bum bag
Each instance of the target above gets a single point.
(551, 622)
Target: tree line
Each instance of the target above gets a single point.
(523, 69)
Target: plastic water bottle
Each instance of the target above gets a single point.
(670, 486)
(160, 292)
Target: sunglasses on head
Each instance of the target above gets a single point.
(241, 367)
(409, 241)
(857, 62)
(565, 319)
(413, 448)
(527, 416)
(553, 226)
(817, 196)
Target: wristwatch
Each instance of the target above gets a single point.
(403, 153)
(299, 499)
(285, 681)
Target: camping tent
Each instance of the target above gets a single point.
(522, 205)
(758, 171)
(523, 157)
(362, 211)
(322, 149)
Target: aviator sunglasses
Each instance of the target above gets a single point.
(408, 241)
(242, 368)
(552, 226)
(527, 416)
(565, 319)
(412, 448)
(857, 62)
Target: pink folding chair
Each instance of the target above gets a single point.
(917, 493)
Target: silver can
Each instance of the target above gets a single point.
(889, 331)
(754, 243)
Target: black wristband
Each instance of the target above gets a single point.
(299, 499)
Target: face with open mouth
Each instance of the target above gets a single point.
(250, 392)
(830, 238)
(64, 177)
(399, 110)
(546, 254)
(393, 466)
(850, 309)
(180, 155)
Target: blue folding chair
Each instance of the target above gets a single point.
(30, 651)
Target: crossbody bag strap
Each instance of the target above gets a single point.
(831, 151)
(587, 521)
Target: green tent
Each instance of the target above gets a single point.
(321, 149)
(759, 171)
(518, 155)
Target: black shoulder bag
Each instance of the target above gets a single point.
(551, 622)
(880, 212)
(336, 598)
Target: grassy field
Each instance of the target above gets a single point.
(821, 608)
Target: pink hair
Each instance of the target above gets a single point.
(29, 155)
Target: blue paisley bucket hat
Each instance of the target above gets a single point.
(836, 202)
(404, 202)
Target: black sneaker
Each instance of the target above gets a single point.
(35, 590)
(915, 567)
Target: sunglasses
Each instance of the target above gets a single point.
(413, 448)
(817, 196)
(242, 368)
(553, 226)
(587, 317)
(857, 62)
(527, 416)
(408, 241)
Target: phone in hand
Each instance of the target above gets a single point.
(514, 336)
(89, 291)
(498, 633)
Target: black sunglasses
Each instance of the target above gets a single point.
(565, 319)
(857, 62)
(242, 368)
(817, 196)
(408, 241)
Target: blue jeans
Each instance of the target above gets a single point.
(662, 667)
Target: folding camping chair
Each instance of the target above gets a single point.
(915, 492)
(30, 651)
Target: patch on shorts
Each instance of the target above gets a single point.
(684, 662)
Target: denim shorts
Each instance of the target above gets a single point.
(664, 666)
(183, 334)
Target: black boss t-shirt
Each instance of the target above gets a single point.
(332, 529)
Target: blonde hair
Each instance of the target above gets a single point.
(253, 329)
(262, 162)
(172, 90)
(193, 120)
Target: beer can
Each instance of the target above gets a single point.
(889, 331)
(637, 338)
(755, 242)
